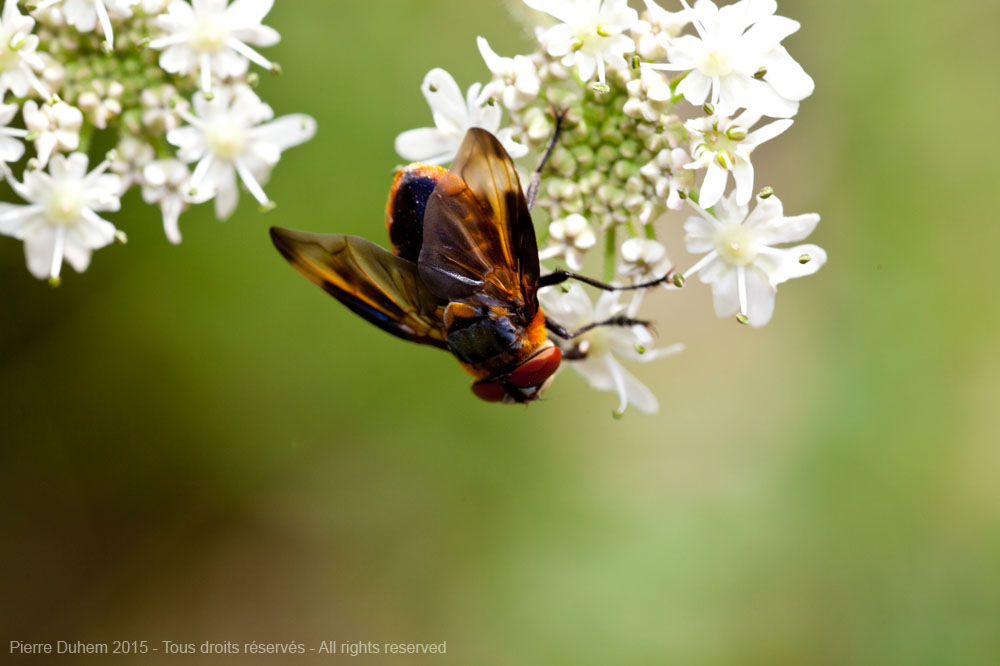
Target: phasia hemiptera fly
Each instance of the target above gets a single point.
(463, 274)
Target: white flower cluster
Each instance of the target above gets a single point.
(167, 83)
(660, 109)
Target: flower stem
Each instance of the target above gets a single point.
(86, 133)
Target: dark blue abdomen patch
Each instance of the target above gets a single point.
(405, 208)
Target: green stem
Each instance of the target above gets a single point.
(86, 133)
(609, 254)
(650, 231)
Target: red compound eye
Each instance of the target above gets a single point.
(489, 391)
(536, 369)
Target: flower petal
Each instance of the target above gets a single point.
(287, 131)
(426, 144)
(767, 33)
(699, 235)
(245, 13)
(713, 186)
(38, 250)
(760, 297)
(445, 99)
(763, 98)
(725, 294)
(788, 264)
(743, 175)
(767, 132)
(695, 88)
(786, 76)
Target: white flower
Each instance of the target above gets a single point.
(225, 137)
(515, 81)
(643, 258)
(741, 263)
(667, 173)
(60, 220)
(55, 127)
(592, 354)
(590, 34)
(722, 145)
(101, 102)
(656, 30)
(130, 157)
(736, 60)
(569, 237)
(11, 148)
(84, 15)
(212, 36)
(154, 7)
(453, 116)
(649, 96)
(160, 108)
(167, 183)
(18, 59)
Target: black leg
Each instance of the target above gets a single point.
(558, 277)
(620, 320)
(536, 175)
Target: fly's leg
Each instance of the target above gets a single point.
(558, 277)
(620, 320)
(536, 175)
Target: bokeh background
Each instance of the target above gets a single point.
(197, 445)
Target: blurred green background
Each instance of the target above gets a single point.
(197, 445)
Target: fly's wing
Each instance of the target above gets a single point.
(371, 281)
(478, 236)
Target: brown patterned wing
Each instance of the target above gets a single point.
(371, 281)
(478, 235)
